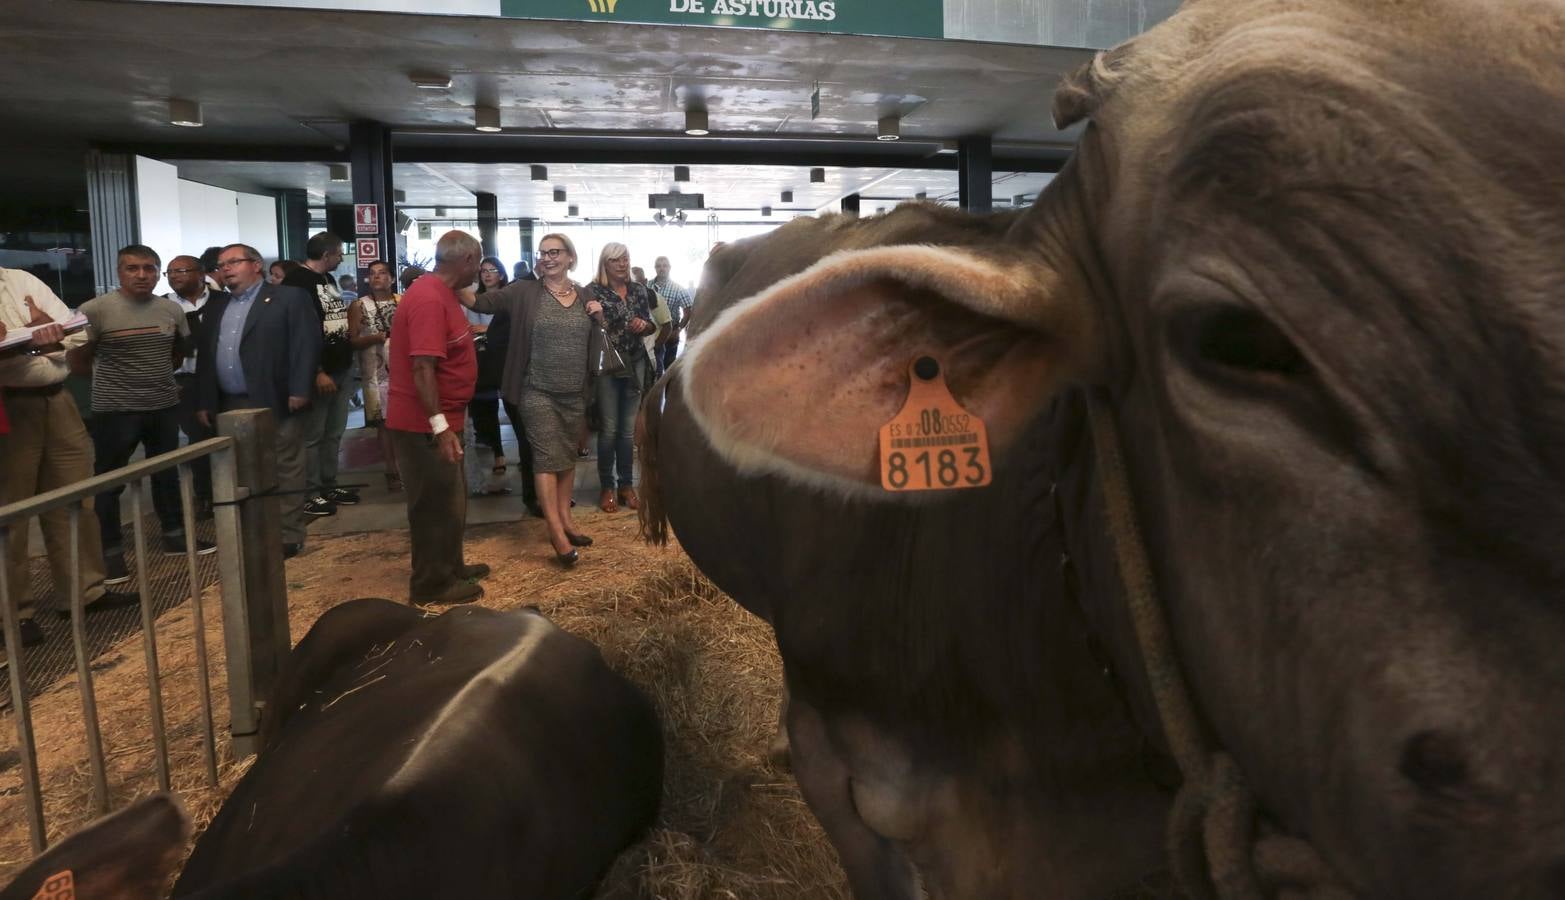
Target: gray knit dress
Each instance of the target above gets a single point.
(553, 405)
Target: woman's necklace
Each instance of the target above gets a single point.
(569, 289)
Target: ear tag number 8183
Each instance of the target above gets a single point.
(933, 444)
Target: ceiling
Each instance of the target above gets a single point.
(283, 84)
(611, 190)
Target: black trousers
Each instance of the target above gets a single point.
(524, 454)
(486, 424)
(200, 469)
(115, 437)
(436, 493)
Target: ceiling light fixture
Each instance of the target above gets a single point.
(817, 176)
(540, 173)
(787, 196)
(681, 173)
(695, 122)
(573, 210)
(890, 128)
(486, 118)
(339, 172)
(184, 113)
(559, 195)
(429, 81)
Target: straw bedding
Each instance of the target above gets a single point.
(730, 827)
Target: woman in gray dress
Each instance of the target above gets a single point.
(548, 373)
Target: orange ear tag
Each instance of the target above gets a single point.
(60, 886)
(933, 444)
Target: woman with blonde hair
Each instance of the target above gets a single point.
(547, 374)
(626, 318)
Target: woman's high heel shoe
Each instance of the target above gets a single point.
(566, 560)
(578, 540)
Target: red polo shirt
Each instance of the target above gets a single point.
(429, 322)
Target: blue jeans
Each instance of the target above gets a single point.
(618, 400)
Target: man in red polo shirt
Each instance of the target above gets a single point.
(433, 368)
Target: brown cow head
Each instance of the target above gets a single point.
(1312, 252)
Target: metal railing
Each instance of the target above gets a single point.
(244, 706)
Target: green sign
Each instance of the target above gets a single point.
(891, 18)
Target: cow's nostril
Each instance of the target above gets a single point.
(1434, 761)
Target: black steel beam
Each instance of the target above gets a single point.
(488, 222)
(975, 173)
(369, 146)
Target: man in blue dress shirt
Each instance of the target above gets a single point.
(260, 348)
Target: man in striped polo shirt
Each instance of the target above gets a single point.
(135, 340)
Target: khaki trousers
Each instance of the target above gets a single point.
(48, 448)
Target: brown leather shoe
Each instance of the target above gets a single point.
(606, 502)
(628, 497)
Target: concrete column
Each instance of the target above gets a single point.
(975, 173)
(111, 204)
(293, 223)
(488, 222)
(528, 240)
(369, 153)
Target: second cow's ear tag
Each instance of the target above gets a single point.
(59, 886)
(933, 444)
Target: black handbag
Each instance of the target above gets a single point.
(609, 361)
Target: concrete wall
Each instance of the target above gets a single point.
(158, 212)
(176, 216)
(1094, 24)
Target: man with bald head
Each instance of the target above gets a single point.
(191, 290)
(433, 369)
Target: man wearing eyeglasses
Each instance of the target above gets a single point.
(192, 292)
(259, 348)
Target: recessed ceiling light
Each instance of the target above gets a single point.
(339, 172)
(890, 128)
(695, 122)
(486, 118)
(429, 81)
(184, 113)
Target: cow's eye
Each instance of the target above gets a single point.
(1237, 341)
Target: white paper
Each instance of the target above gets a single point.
(14, 336)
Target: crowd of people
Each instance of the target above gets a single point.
(448, 350)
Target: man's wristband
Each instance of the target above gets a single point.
(437, 423)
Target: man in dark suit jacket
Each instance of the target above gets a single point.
(260, 347)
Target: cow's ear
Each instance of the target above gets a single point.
(1081, 92)
(130, 853)
(798, 379)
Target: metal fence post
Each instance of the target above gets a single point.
(250, 552)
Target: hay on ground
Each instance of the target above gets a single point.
(730, 826)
